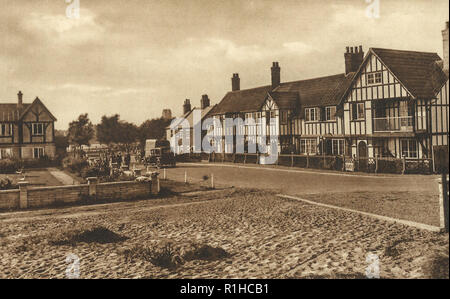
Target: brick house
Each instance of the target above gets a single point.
(27, 131)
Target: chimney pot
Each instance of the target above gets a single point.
(19, 98)
(186, 106)
(235, 82)
(353, 59)
(276, 77)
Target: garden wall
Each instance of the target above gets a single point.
(33, 197)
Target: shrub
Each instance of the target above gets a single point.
(9, 165)
(75, 164)
(6, 184)
(164, 257)
(205, 252)
(99, 234)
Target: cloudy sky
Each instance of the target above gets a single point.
(136, 57)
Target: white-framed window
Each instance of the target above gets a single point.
(5, 129)
(311, 114)
(38, 152)
(308, 146)
(5, 153)
(337, 147)
(330, 113)
(409, 148)
(357, 111)
(38, 129)
(375, 78)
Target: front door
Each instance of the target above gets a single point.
(362, 156)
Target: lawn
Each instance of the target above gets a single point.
(36, 178)
(230, 233)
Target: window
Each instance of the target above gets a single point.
(337, 147)
(375, 78)
(5, 153)
(311, 114)
(357, 111)
(409, 148)
(5, 129)
(38, 152)
(330, 113)
(38, 129)
(308, 146)
(284, 117)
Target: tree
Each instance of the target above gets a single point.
(108, 129)
(153, 129)
(81, 131)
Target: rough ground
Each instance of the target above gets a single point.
(266, 237)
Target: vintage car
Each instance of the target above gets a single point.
(160, 157)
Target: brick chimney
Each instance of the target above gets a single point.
(275, 75)
(186, 106)
(19, 99)
(235, 82)
(204, 102)
(445, 40)
(354, 56)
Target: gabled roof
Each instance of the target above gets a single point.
(246, 100)
(323, 91)
(189, 116)
(417, 71)
(12, 112)
(37, 101)
(285, 100)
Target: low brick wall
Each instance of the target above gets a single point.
(9, 199)
(34, 197)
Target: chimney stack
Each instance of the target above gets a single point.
(275, 75)
(354, 56)
(19, 97)
(204, 102)
(186, 106)
(235, 82)
(445, 40)
(166, 114)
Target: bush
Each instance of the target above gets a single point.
(9, 165)
(75, 164)
(6, 184)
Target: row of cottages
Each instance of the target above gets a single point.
(388, 103)
(27, 131)
(177, 131)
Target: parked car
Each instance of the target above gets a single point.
(160, 157)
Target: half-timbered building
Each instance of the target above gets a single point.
(27, 131)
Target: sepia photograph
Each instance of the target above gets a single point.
(224, 146)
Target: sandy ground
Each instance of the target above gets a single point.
(266, 237)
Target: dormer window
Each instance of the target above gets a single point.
(311, 114)
(374, 78)
(38, 129)
(330, 113)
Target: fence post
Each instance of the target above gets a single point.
(155, 187)
(443, 203)
(23, 195)
(164, 173)
(307, 160)
(92, 183)
(404, 165)
(185, 177)
(376, 163)
(245, 158)
(212, 180)
(292, 159)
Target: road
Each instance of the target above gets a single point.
(297, 181)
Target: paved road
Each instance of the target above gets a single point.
(297, 181)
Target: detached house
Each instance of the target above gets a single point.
(26, 130)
